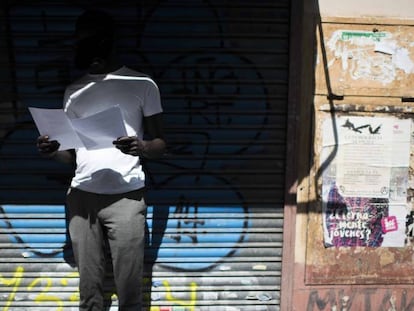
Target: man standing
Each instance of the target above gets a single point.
(106, 197)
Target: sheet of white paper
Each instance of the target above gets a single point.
(94, 132)
(55, 124)
(101, 129)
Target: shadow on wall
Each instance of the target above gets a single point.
(302, 92)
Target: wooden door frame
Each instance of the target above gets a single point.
(302, 52)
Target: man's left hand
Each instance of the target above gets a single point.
(131, 145)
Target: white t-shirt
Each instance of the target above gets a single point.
(109, 171)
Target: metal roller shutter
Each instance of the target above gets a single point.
(216, 200)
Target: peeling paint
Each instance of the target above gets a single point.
(386, 258)
(368, 55)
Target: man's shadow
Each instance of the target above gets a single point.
(153, 241)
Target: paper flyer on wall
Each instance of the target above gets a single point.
(93, 132)
(365, 181)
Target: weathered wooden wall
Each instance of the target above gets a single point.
(363, 67)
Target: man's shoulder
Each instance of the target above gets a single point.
(123, 73)
(127, 71)
(79, 82)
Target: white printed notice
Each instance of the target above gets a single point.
(97, 131)
(366, 151)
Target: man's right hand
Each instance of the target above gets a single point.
(46, 147)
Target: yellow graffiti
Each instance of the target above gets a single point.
(44, 283)
(193, 296)
(64, 282)
(43, 296)
(15, 282)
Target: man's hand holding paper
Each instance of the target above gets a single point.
(93, 132)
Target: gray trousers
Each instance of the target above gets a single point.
(118, 220)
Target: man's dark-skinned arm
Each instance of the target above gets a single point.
(49, 149)
(150, 149)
